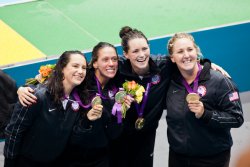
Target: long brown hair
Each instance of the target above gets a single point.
(55, 81)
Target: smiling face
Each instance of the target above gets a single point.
(75, 71)
(184, 54)
(138, 54)
(106, 64)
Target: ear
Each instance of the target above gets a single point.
(95, 65)
(126, 55)
(198, 57)
(172, 58)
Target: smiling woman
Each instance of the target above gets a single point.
(135, 147)
(203, 111)
(34, 130)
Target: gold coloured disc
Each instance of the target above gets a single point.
(139, 123)
(96, 100)
(119, 96)
(192, 97)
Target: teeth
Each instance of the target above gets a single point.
(110, 70)
(187, 61)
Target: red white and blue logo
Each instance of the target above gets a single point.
(155, 79)
(202, 90)
(233, 96)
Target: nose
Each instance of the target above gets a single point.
(80, 70)
(141, 54)
(111, 62)
(185, 54)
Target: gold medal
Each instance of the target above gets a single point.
(96, 100)
(139, 123)
(192, 97)
(119, 96)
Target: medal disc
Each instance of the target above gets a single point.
(192, 97)
(119, 96)
(139, 123)
(96, 100)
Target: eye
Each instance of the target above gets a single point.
(135, 51)
(114, 59)
(106, 59)
(145, 48)
(75, 65)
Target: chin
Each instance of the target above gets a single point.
(76, 83)
(143, 66)
(110, 76)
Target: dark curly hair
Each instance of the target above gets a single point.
(127, 33)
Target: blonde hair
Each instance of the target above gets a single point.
(177, 36)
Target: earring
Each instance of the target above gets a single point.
(198, 57)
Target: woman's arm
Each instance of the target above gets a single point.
(229, 112)
(20, 122)
(26, 96)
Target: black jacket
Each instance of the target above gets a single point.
(211, 133)
(161, 67)
(8, 97)
(41, 131)
(98, 133)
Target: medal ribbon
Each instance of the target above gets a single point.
(117, 110)
(114, 89)
(140, 109)
(187, 86)
(78, 100)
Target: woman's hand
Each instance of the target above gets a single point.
(196, 107)
(220, 69)
(95, 113)
(26, 96)
(128, 100)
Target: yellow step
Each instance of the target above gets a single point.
(14, 48)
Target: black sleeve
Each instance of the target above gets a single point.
(8, 87)
(228, 113)
(21, 120)
(203, 61)
(10, 162)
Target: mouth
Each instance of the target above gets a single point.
(111, 70)
(140, 60)
(187, 61)
(79, 77)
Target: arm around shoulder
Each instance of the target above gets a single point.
(228, 112)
